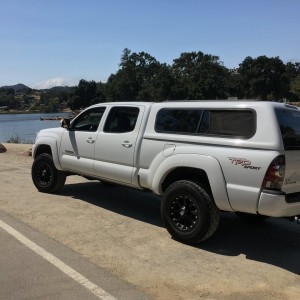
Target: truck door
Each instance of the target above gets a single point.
(77, 148)
(116, 144)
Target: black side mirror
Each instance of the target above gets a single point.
(65, 123)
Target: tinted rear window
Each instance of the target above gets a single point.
(239, 123)
(178, 120)
(289, 122)
(224, 123)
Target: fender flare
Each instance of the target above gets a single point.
(52, 143)
(208, 164)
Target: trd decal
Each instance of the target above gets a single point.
(245, 163)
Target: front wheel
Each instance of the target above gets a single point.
(45, 176)
(189, 212)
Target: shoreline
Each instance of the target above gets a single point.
(32, 112)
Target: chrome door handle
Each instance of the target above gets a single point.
(126, 144)
(90, 140)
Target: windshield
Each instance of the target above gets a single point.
(289, 122)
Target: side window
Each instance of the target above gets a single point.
(223, 123)
(178, 120)
(121, 119)
(233, 123)
(89, 120)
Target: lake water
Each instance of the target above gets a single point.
(25, 126)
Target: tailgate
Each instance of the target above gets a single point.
(291, 182)
(289, 122)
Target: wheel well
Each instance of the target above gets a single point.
(43, 149)
(196, 175)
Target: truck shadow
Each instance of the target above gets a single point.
(129, 202)
(274, 241)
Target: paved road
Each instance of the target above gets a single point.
(24, 274)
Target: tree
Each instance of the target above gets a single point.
(158, 87)
(199, 76)
(295, 86)
(194, 75)
(100, 94)
(234, 84)
(83, 94)
(119, 87)
(263, 78)
(52, 105)
(74, 102)
(87, 91)
(137, 72)
(292, 70)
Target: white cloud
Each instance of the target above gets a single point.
(62, 81)
(49, 83)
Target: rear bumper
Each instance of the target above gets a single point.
(274, 204)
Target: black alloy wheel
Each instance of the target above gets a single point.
(189, 212)
(184, 212)
(45, 176)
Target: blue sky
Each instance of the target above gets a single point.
(58, 42)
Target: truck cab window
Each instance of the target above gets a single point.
(89, 120)
(121, 119)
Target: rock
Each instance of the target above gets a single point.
(2, 148)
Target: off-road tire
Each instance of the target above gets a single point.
(45, 176)
(189, 212)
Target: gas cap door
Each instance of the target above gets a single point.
(169, 150)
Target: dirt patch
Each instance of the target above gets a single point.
(120, 229)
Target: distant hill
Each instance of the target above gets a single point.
(23, 88)
(58, 89)
(17, 87)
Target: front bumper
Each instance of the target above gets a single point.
(33, 149)
(274, 204)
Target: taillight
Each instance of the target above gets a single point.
(274, 177)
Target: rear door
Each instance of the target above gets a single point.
(289, 122)
(116, 144)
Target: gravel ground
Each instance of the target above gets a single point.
(120, 229)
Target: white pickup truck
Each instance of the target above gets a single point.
(202, 157)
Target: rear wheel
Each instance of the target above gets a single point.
(189, 212)
(45, 176)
